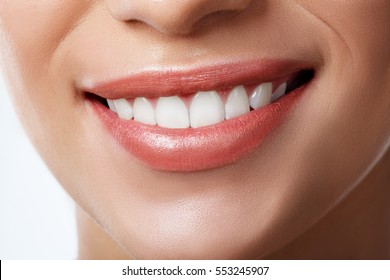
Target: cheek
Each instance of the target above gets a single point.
(356, 98)
(36, 28)
(362, 28)
(31, 33)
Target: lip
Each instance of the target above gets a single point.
(176, 81)
(202, 148)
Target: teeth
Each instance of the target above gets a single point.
(111, 105)
(124, 109)
(206, 109)
(279, 92)
(237, 103)
(144, 111)
(171, 112)
(261, 96)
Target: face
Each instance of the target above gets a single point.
(200, 174)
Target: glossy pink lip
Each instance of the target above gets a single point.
(158, 83)
(201, 148)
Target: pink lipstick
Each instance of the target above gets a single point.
(201, 148)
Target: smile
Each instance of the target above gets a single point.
(197, 110)
(198, 119)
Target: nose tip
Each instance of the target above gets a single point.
(173, 16)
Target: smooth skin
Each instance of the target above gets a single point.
(318, 188)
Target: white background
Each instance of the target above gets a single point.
(278, 270)
(37, 218)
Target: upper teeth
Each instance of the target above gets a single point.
(237, 103)
(206, 108)
(143, 111)
(171, 112)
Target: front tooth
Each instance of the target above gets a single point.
(279, 92)
(144, 111)
(237, 103)
(111, 105)
(124, 109)
(206, 109)
(171, 112)
(261, 96)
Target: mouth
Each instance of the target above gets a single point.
(191, 120)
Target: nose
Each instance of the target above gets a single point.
(174, 16)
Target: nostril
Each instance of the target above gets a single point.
(174, 17)
(215, 16)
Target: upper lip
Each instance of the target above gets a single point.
(176, 81)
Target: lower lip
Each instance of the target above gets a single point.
(201, 148)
